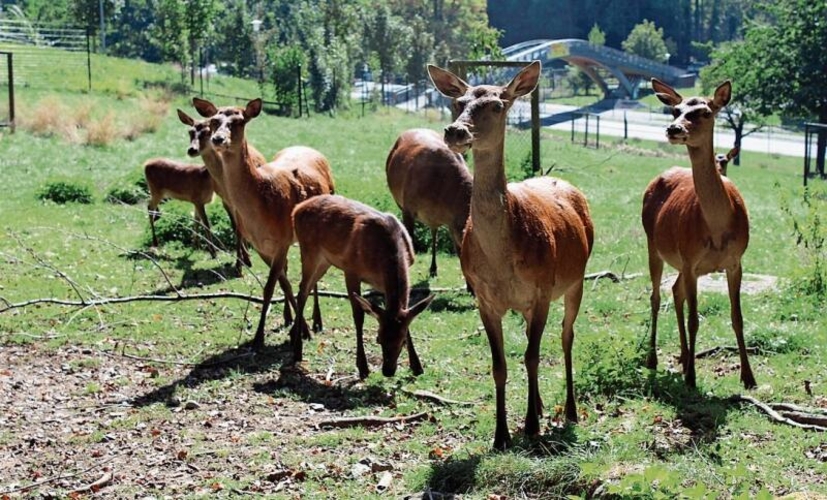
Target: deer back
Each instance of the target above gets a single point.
(167, 178)
(429, 180)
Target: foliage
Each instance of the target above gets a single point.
(597, 36)
(608, 370)
(177, 225)
(286, 64)
(130, 195)
(810, 235)
(579, 80)
(65, 191)
(646, 40)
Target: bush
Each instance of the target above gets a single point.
(125, 195)
(610, 371)
(177, 224)
(65, 192)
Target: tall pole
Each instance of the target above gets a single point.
(103, 26)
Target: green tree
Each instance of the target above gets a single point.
(579, 79)
(199, 16)
(286, 63)
(169, 32)
(733, 61)
(646, 40)
(597, 36)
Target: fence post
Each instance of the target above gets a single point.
(625, 127)
(299, 86)
(88, 60)
(11, 92)
(586, 135)
(535, 129)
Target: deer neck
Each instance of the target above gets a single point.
(489, 204)
(396, 286)
(213, 163)
(715, 202)
(243, 170)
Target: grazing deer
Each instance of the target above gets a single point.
(722, 160)
(167, 178)
(696, 221)
(525, 244)
(430, 183)
(368, 246)
(200, 145)
(263, 196)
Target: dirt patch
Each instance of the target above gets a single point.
(72, 417)
(716, 282)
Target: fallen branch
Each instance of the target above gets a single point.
(183, 297)
(370, 421)
(614, 278)
(430, 396)
(795, 419)
(723, 348)
(52, 479)
(95, 486)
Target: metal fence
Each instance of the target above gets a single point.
(7, 91)
(36, 46)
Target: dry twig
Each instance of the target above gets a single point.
(723, 348)
(369, 421)
(52, 479)
(806, 421)
(430, 396)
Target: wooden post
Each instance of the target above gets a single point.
(11, 91)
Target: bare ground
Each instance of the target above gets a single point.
(76, 421)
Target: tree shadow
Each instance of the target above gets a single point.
(191, 278)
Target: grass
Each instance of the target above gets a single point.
(636, 427)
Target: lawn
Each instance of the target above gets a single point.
(161, 398)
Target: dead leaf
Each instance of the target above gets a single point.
(216, 486)
(182, 454)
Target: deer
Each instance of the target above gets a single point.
(167, 178)
(368, 246)
(525, 244)
(722, 160)
(429, 183)
(263, 196)
(200, 145)
(696, 221)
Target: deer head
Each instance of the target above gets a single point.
(722, 160)
(694, 118)
(227, 123)
(393, 329)
(482, 110)
(199, 132)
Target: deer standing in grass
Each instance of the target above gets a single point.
(200, 145)
(722, 160)
(371, 247)
(263, 196)
(696, 221)
(430, 183)
(167, 178)
(525, 244)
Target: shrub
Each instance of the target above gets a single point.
(102, 132)
(177, 224)
(127, 195)
(811, 237)
(51, 118)
(65, 192)
(609, 370)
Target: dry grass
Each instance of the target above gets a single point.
(102, 132)
(50, 117)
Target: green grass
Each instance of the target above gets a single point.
(636, 426)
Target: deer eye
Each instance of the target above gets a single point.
(676, 112)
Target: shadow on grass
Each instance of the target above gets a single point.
(290, 380)
(191, 278)
(539, 466)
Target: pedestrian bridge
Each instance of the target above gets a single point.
(629, 70)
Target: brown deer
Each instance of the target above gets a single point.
(525, 244)
(429, 183)
(200, 145)
(263, 196)
(696, 221)
(167, 178)
(368, 246)
(722, 160)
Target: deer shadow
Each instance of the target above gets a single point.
(290, 380)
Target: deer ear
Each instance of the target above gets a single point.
(185, 118)
(665, 93)
(733, 153)
(366, 306)
(420, 306)
(448, 84)
(253, 109)
(204, 107)
(722, 95)
(524, 82)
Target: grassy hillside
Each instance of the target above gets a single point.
(140, 386)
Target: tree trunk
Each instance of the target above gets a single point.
(739, 136)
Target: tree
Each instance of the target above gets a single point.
(785, 51)
(597, 36)
(733, 61)
(198, 21)
(646, 40)
(579, 79)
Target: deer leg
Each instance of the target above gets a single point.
(201, 215)
(311, 273)
(410, 225)
(276, 268)
(572, 301)
(152, 209)
(317, 312)
(734, 285)
(690, 284)
(242, 256)
(535, 323)
(655, 274)
(433, 252)
(354, 285)
(679, 295)
(494, 329)
(287, 290)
